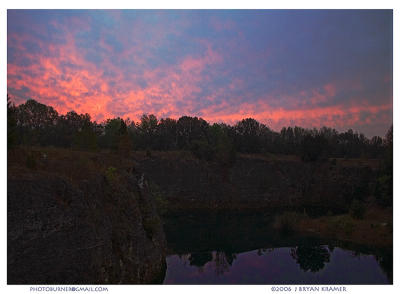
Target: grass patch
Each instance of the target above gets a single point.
(287, 222)
(343, 224)
(374, 229)
(75, 165)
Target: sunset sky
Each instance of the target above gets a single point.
(293, 67)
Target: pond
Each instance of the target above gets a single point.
(245, 249)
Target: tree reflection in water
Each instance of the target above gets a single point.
(240, 249)
(310, 258)
(293, 264)
(264, 251)
(199, 259)
(222, 260)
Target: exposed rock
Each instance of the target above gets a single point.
(91, 233)
(257, 184)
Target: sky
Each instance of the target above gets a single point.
(309, 68)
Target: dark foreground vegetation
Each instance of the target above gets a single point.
(36, 124)
(33, 123)
(75, 187)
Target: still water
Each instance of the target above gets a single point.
(275, 266)
(246, 250)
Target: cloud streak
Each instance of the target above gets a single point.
(221, 65)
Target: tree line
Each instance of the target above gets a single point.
(34, 123)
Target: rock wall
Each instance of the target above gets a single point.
(94, 220)
(102, 231)
(258, 184)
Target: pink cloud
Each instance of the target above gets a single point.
(170, 90)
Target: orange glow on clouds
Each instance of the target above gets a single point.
(60, 75)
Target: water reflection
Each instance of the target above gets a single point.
(200, 259)
(278, 266)
(310, 258)
(246, 251)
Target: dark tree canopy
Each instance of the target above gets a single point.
(33, 123)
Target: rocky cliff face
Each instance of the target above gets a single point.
(102, 230)
(90, 218)
(258, 183)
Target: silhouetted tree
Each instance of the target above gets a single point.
(33, 123)
(113, 129)
(191, 130)
(148, 128)
(388, 144)
(384, 185)
(222, 147)
(11, 124)
(247, 136)
(124, 140)
(85, 137)
(69, 126)
(167, 134)
(375, 146)
(36, 123)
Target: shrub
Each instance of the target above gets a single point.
(111, 174)
(286, 222)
